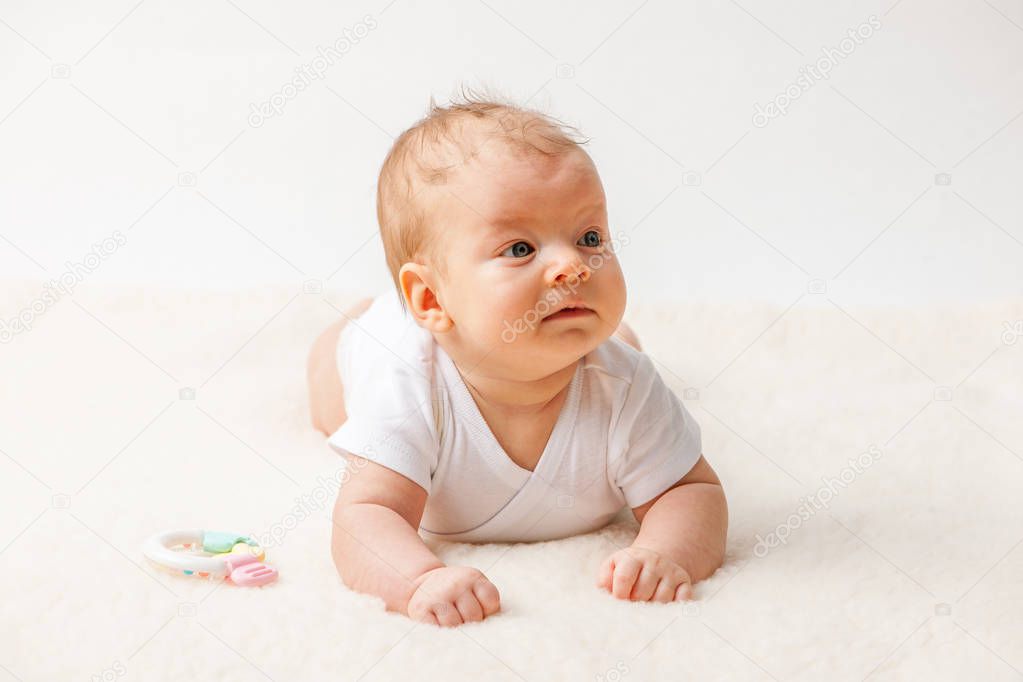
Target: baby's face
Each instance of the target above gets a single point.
(522, 238)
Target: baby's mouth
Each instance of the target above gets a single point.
(569, 313)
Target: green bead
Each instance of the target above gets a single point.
(219, 542)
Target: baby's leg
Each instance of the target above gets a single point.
(625, 333)
(326, 394)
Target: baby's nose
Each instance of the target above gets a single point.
(569, 272)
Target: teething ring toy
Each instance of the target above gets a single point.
(208, 553)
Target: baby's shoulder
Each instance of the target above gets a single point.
(386, 340)
(616, 363)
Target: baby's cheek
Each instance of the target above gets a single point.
(505, 316)
(612, 282)
(504, 323)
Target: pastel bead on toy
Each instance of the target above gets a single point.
(211, 554)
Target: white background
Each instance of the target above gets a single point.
(841, 188)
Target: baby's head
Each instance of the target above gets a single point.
(493, 218)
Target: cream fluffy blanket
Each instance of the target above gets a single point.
(871, 459)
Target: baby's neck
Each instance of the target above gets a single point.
(516, 397)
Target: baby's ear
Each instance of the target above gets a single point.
(417, 286)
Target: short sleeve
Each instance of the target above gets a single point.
(659, 440)
(388, 399)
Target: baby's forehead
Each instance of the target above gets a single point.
(497, 189)
(504, 168)
(488, 169)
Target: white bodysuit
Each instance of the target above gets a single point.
(622, 437)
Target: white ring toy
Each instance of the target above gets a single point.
(210, 553)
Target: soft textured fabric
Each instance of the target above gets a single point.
(912, 573)
(621, 438)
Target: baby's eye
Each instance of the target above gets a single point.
(518, 250)
(591, 238)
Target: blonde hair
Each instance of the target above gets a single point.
(435, 147)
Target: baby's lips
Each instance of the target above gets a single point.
(569, 306)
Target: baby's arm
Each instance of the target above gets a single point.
(681, 541)
(377, 550)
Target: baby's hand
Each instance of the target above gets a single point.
(452, 595)
(644, 575)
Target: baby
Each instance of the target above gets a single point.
(496, 395)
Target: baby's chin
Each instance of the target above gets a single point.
(545, 352)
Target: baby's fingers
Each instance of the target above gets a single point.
(488, 596)
(604, 574)
(447, 615)
(666, 590)
(626, 570)
(684, 591)
(469, 607)
(424, 617)
(645, 585)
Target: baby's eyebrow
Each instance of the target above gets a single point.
(507, 221)
(500, 228)
(591, 208)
